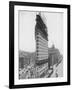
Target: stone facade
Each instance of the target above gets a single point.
(41, 37)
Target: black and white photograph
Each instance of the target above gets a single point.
(39, 44)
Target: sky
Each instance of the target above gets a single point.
(27, 22)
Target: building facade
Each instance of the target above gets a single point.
(41, 38)
(54, 56)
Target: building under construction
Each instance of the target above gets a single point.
(41, 37)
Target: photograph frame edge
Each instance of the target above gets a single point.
(11, 46)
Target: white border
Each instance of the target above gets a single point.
(16, 63)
